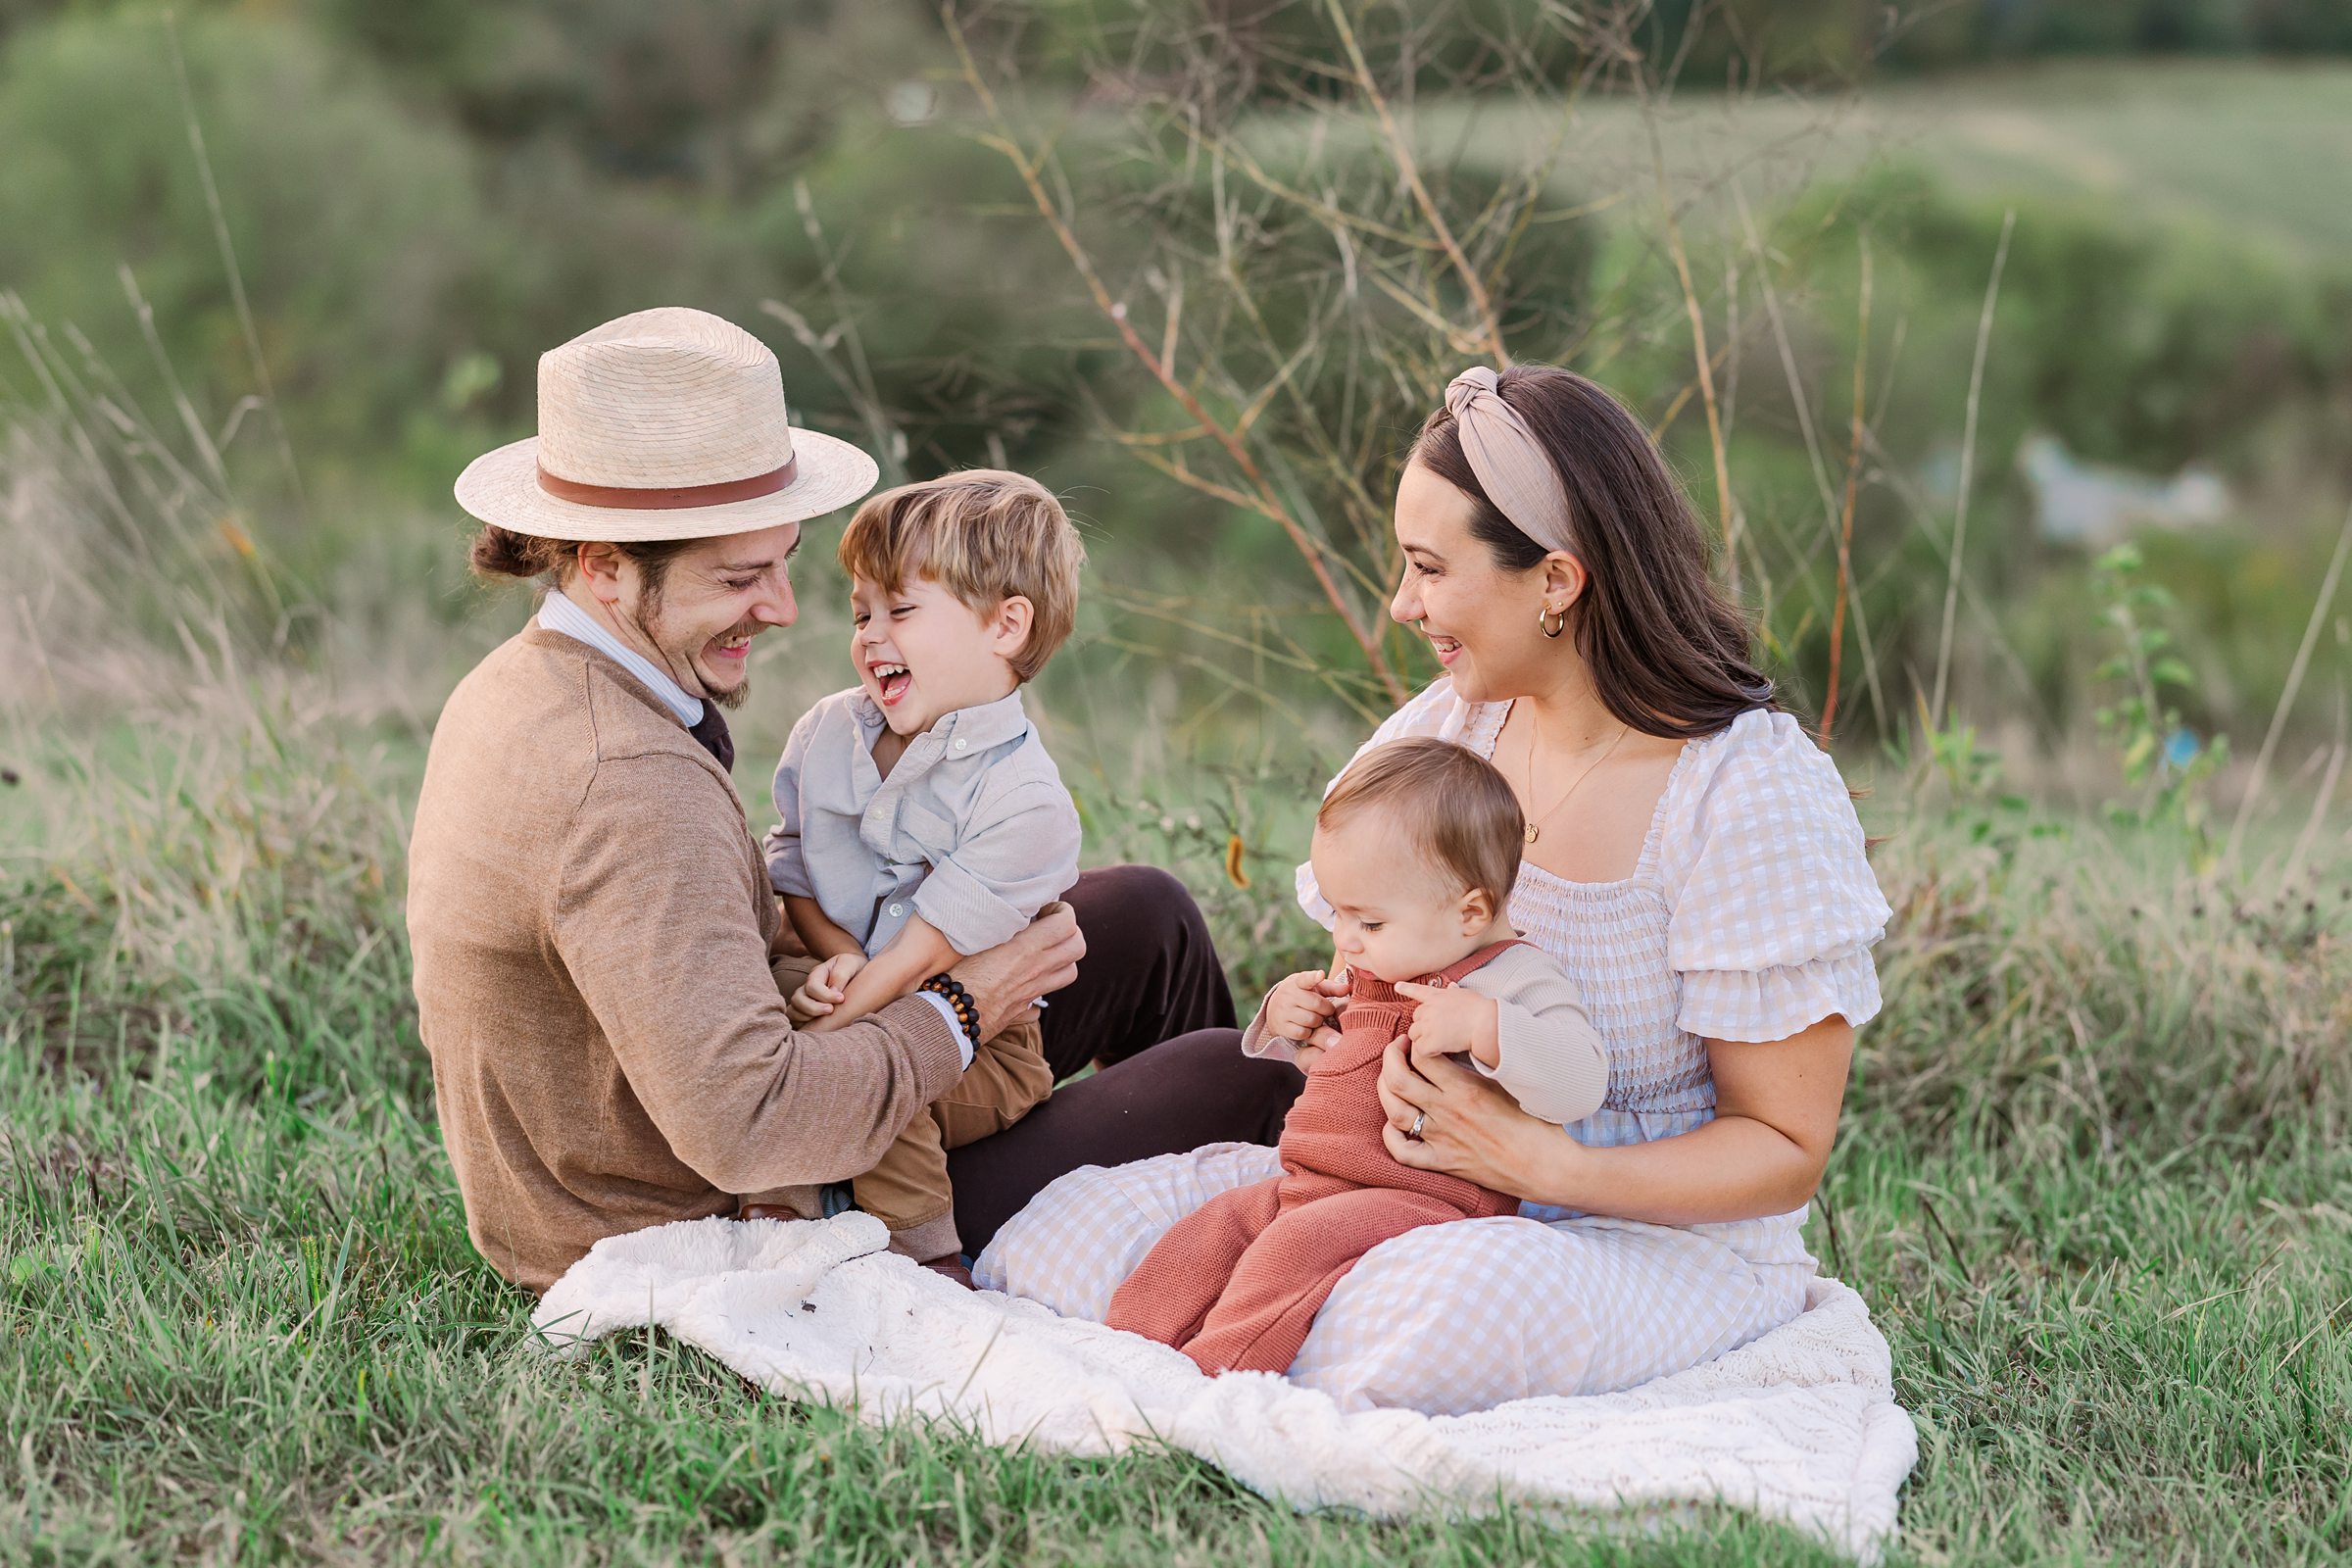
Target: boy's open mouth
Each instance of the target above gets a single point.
(892, 679)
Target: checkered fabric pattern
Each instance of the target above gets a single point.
(1750, 917)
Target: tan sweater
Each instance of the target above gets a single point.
(590, 920)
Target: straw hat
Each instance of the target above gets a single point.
(665, 424)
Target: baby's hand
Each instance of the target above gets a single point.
(824, 988)
(1297, 1007)
(1302, 1009)
(1452, 1019)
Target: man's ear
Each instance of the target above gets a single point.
(600, 569)
(1008, 628)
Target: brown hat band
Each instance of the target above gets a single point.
(627, 498)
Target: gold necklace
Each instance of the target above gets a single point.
(1533, 827)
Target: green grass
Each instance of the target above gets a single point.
(2094, 1184)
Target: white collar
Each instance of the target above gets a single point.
(557, 613)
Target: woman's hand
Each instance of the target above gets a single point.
(1775, 1117)
(1470, 1125)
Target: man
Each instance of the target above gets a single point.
(591, 919)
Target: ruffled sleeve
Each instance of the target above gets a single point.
(1437, 712)
(1773, 905)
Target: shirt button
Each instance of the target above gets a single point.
(961, 742)
(897, 909)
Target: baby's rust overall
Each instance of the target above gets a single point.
(1236, 1283)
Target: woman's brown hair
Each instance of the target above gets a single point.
(1668, 651)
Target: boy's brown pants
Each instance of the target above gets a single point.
(909, 1191)
(1150, 1007)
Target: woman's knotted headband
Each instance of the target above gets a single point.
(1511, 465)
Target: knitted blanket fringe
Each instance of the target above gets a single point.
(1799, 1426)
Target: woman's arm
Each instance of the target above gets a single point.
(1775, 1117)
(916, 954)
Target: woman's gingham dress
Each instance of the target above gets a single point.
(1750, 917)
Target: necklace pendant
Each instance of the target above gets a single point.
(1531, 832)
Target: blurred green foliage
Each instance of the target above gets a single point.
(2138, 341)
(422, 198)
(356, 224)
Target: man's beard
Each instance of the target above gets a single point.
(731, 699)
(649, 623)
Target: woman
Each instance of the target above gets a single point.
(1693, 861)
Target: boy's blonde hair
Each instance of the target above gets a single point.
(983, 534)
(1446, 802)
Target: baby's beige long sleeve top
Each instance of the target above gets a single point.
(1551, 1059)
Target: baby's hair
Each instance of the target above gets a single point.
(983, 534)
(1450, 805)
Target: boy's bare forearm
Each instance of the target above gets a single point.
(915, 955)
(819, 935)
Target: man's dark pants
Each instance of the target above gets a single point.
(1150, 1005)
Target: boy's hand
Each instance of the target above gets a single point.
(1301, 1008)
(824, 988)
(1448, 1020)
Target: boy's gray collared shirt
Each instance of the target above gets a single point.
(972, 830)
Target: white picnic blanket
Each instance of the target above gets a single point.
(1799, 1426)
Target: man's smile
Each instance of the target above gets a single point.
(728, 652)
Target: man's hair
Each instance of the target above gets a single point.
(1446, 804)
(503, 553)
(983, 534)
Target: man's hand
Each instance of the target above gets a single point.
(824, 988)
(1035, 963)
(1448, 1020)
(1301, 1008)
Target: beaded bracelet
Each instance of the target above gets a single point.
(960, 1001)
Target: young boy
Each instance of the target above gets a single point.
(1416, 848)
(919, 815)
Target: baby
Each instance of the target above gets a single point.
(1416, 849)
(920, 817)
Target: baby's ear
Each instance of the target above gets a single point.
(1477, 911)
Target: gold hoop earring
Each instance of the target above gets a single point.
(1545, 624)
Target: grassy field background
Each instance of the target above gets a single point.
(2094, 1179)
